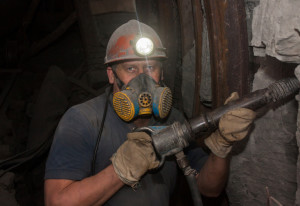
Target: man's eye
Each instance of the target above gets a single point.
(130, 69)
(150, 68)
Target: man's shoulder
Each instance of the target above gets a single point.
(90, 107)
(89, 112)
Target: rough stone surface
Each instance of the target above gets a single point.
(249, 6)
(276, 30)
(268, 157)
(297, 201)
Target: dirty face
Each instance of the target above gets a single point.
(126, 71)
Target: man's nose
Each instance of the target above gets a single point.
(141, 70)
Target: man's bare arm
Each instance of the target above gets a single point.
(213, 176)
(94, 190)
(234, 126)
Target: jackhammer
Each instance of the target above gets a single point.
(171, 140)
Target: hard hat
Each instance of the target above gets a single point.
(133, 41)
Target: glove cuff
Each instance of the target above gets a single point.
(218, 145)
(131, 182)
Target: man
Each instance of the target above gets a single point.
(124, 170)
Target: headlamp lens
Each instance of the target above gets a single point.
(144, 46)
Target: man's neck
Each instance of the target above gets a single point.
(141, 121)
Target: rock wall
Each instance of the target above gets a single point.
(267, 161)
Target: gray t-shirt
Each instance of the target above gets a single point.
(73, 146)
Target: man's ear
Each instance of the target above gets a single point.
(110, 75)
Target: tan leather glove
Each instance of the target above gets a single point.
(134, 158)
(233, 126)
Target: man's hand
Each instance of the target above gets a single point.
(134, 158)
(233, 126)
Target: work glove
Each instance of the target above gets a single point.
(134, 158)
(233, 126)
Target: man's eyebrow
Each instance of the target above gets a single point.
(128, 65)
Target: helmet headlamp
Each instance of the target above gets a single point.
(144, 46)
(134, 40)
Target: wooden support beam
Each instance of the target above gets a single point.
(228, 48)
(198, 28)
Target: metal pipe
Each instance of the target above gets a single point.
(172, 139)
(255, 100)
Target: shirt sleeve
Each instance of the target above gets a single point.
(197, 156)
(70, 155)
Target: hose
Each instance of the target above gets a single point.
(190, 175)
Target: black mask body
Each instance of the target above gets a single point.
(142, 96)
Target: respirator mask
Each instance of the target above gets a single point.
(142, 96)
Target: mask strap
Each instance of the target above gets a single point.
(162, 83)
(119, 82)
